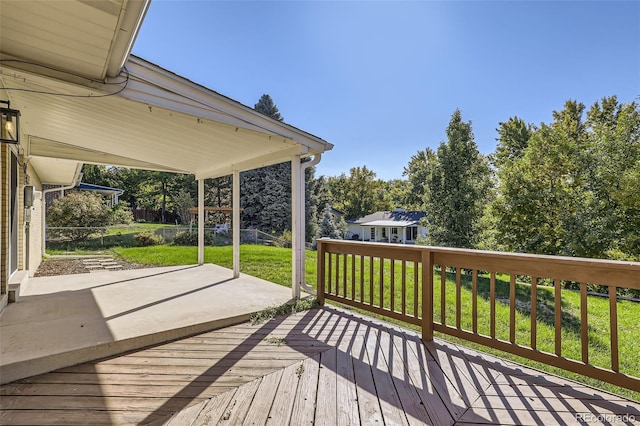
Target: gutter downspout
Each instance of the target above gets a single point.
(299, 249)
(76, 182)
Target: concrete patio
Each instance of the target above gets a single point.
(65, 320)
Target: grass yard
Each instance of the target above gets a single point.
(274, 264)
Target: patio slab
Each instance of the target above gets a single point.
(64, 320)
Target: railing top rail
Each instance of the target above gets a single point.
(595, 271)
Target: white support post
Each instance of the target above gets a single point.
(297, 218)
(200, 221)
(235, 223)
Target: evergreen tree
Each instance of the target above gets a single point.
(329, 228)
(456, 188)
(267, 107)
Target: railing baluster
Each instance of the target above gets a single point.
(353, 277)
(443, 284)
(613, 315)
(512, 309)
(393, 283)
(474, 300)
(415, 289)
(344, 275)
(361, 278)
(427, 295)
(381, 283)
(404, 287)
(371, 262)
(584, 328)
(558, 316)
(534, 311)
(458, 296)
(329, 287)
(492, 305)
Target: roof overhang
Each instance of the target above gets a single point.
(392, 223)
(91, 38)
(146, 118)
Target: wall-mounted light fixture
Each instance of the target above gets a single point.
(9, 124)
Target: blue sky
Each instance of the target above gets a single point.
(380, 79)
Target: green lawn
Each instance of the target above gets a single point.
(274, 264)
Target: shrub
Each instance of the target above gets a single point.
(190, 238)
(283, 240)
(79, 209)
(145, 239)
(121, 214)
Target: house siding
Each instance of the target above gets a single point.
(35, 226)
(4, 219)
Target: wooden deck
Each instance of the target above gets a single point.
(325, 366)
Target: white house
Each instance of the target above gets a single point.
(398, 226)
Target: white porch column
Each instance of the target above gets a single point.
(200, 221)
(297, 227)
(235, 223)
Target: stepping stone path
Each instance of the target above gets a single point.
(101, 264)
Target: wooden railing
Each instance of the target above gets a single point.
(426, 286)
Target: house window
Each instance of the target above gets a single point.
(372, 233)
(384, 232)
(412, 233)
(394, 231)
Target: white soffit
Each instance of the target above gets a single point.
(91, 38)
(55, 171)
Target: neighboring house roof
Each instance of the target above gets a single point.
(395, 218)
(104, 190)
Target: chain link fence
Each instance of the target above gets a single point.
(124, 235)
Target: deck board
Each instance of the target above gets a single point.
(325, 366)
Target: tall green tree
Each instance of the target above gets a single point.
(418, 171)
(456, 188)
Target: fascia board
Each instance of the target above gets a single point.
(131, 17)
(154, 75)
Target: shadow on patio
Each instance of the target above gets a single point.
(65, 320)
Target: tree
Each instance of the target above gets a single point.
(513, 139)
(79, 209)
(456, 188)
(612, 179)
(360, 193)
(267, 107)
(182, 203)
(542, 192)
(329, 228)
(418, 171)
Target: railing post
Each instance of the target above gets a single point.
(321, 272)
(427, 295)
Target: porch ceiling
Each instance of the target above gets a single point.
(91, 38)
(146, 118)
